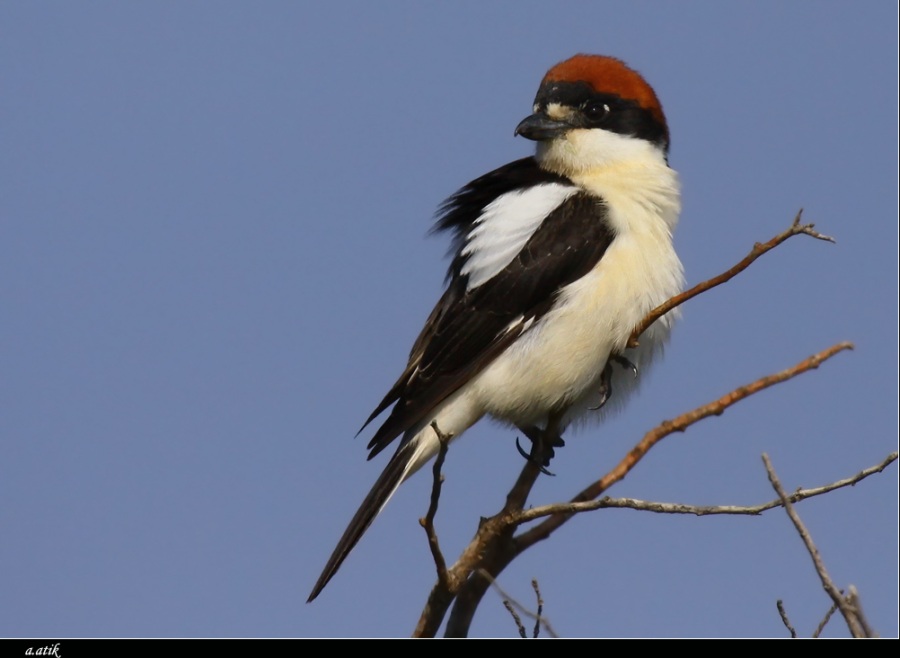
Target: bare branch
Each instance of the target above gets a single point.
(539, 620)
(495, 546)
(853, 600)
(441, 595)
(516, 618)
(664, 429)
(428, 521)
(758, 250)
(540, 607)
(703, 510)
(439, 599)
(825, 620)
(847, 609)
(784, 618)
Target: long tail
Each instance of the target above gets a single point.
(408, 458)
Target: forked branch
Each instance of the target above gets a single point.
(847, 605)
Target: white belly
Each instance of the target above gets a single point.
(558, 362)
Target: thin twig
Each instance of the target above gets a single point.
(506, 597)
(428, 522)
(847, 610)
(703, 510)
(516, 618)
(758, 250)
(540, 607)
(825, 620)
(784, 618)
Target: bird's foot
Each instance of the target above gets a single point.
(542, 450)
(531, 459)
(606, 379)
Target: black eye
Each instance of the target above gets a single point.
(595, 110)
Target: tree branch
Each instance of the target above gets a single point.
(492, 558)
(784, 618)
(702, 510)
(540, 611)
(856, 604)
(495, 546)
(442, 594)
(824, 622)
(664, 429)
(518, 620)
(428, 522)
(848, 610)
(537, 617)
(758, 250)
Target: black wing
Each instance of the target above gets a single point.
(468, 329)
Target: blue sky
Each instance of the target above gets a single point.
(214, 255)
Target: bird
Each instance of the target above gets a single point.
(556, 258)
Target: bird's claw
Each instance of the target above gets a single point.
(606, 379)
(605, 387)
(529, 458)
(538, 437)
(625, 363)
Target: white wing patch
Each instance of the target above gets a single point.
(505, 226)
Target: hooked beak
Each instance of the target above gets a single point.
(539, 127)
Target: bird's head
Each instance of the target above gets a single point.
(593, 110)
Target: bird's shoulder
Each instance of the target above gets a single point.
(459, 213)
